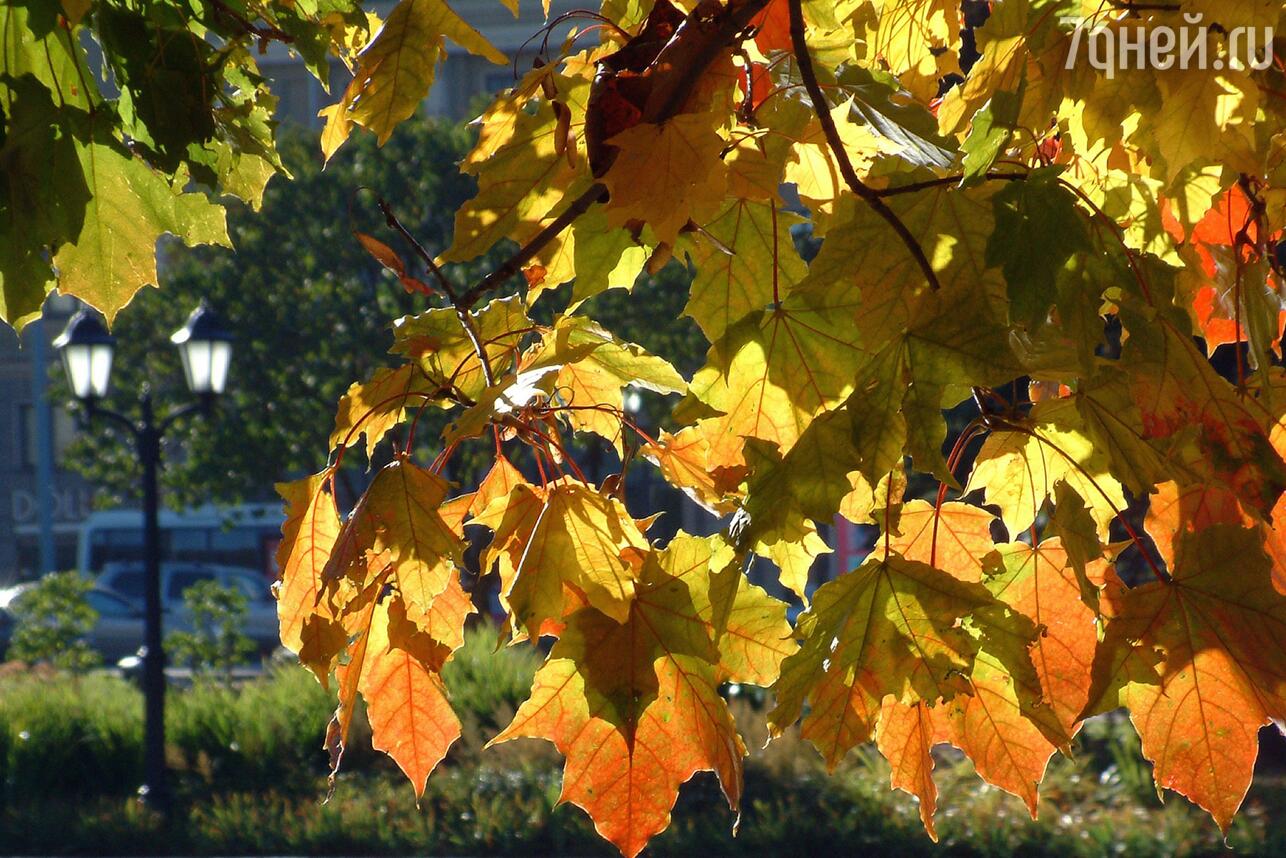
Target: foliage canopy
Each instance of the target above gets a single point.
(1002, 218)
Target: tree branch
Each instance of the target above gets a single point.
(511, 266)
(262, 32)
(821, 108)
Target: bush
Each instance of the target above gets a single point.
(64, 736)
(51, 621)
(217, 641)
(488, 681)
(263, 734)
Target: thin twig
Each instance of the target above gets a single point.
(821, 108)
(461, 309)
(1126, 6)
(393, 223)
(471, 329)
(945, 180)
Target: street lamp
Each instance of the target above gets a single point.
(205, 349)
(87, 348)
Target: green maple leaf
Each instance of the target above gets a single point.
(37, 155)
(735, 276)
(131, 206)
(1038, 228)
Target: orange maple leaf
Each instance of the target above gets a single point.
(1198, 662)
(634, 706)
(308, 535)
(956, 539)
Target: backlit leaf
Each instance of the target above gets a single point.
(376, 406)
(889, 627)
(394, 72)
(308, 535)
(1197, 662)
(666, 175)
(130, 207)
(634, 707)
(1021, 468)
(569, 535)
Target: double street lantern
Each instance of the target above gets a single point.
(205, 349)
(87, 349)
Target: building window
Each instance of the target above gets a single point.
(64, 431)
(293, 86)
(495, 82)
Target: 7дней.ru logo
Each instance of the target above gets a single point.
(1161, 46)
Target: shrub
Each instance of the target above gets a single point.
(217, 641)
(262, 734)
(488, 681)
(51, 621)
(250, 774)
(68, 736)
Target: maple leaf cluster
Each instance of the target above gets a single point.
(991, 218)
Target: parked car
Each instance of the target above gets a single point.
(7, 595)
(118, 631)
(124, 582)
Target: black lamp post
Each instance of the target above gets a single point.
(206, 350)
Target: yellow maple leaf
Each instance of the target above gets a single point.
(665, 175)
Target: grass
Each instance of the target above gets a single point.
(250, 776)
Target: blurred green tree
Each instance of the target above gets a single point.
(51, 620)
(217, 642)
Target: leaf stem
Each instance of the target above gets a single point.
(1120, 516)
(953, 461)
(1102, 216)
(776, 295)
(357, 427)
(820, 107)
